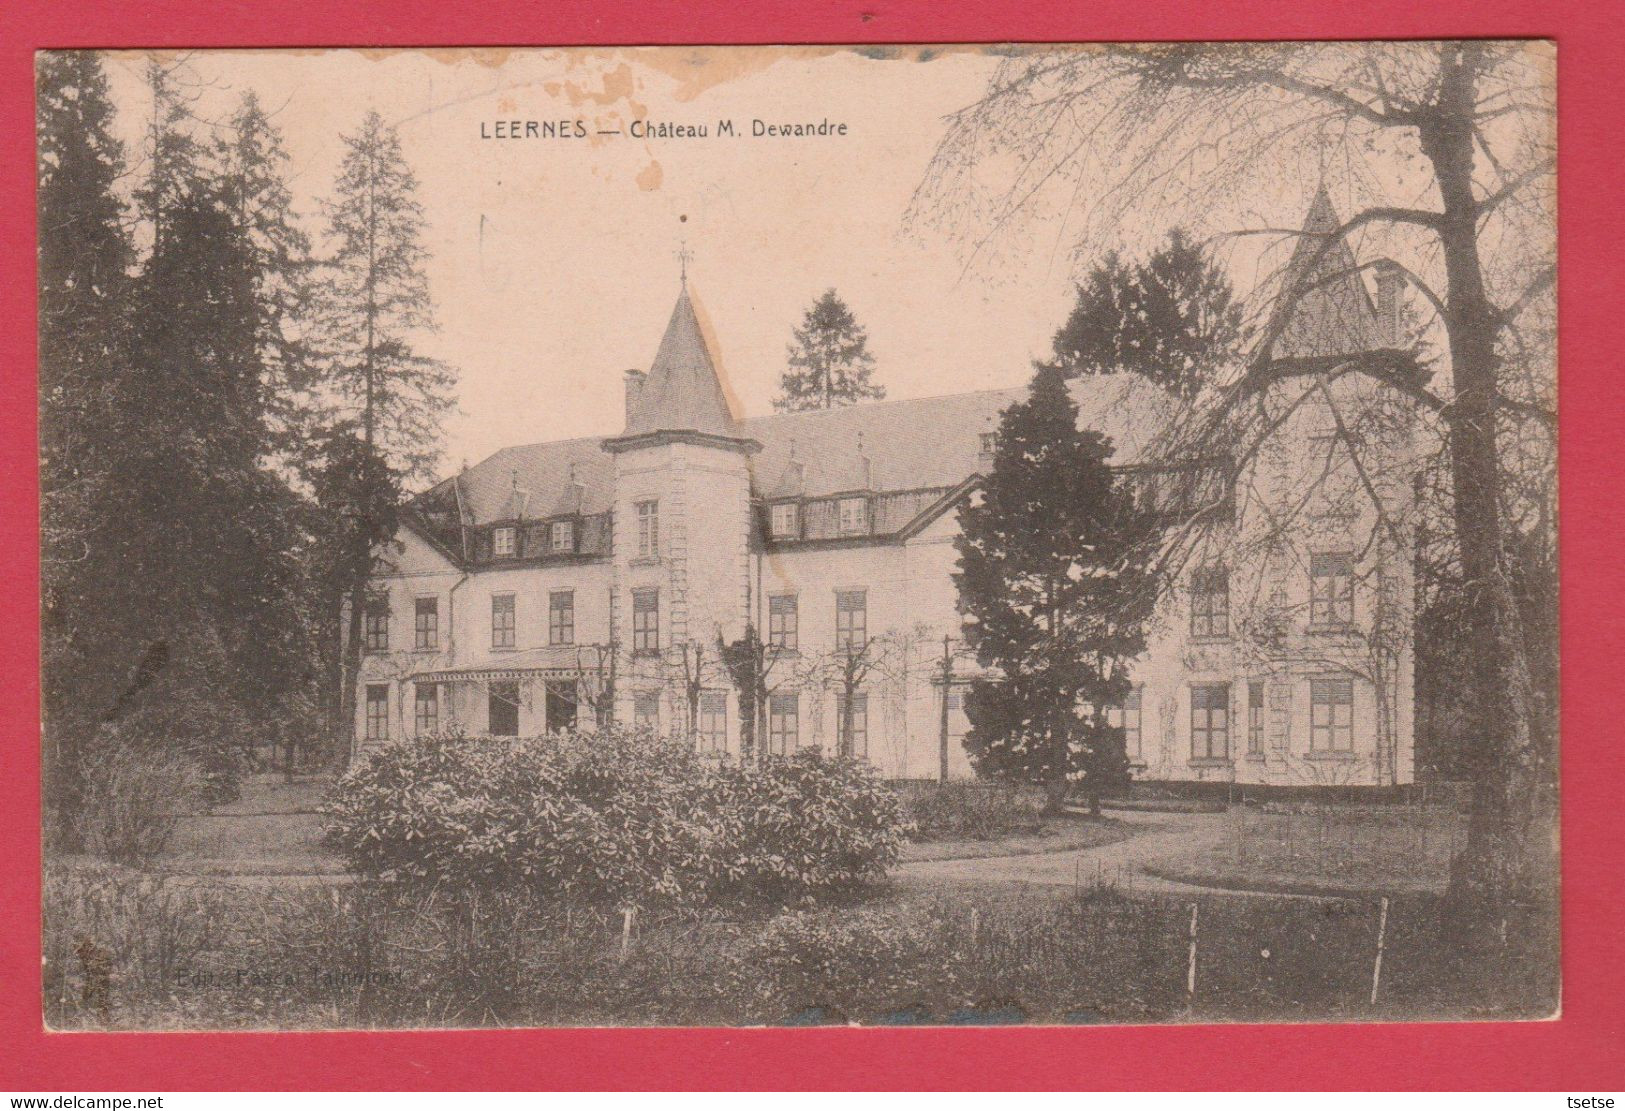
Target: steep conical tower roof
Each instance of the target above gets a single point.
(682, 392)
(1323, 307)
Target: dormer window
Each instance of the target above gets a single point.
(786, 520)
(854, 516)
(990, 442)
(502, 540)
(564, 536)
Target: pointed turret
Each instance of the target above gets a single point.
(681, 392)
(1323, 306)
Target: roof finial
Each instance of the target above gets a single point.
(684, 255)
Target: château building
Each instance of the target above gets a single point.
(557, 584)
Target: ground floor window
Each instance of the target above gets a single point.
(646, 708)
(377, 711)
(561, 705)
(783, 728)
(713, 721)
(1210, 721)
(859, 746)
(1255, 719)
(427, 707)
(1128, 717)
(503, 709)
(1331, 715)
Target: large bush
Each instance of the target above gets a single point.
(976, 811)
(619, 816)
(805, 823)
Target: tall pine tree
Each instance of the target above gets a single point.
(391, 395)
(1054, 584)
(254, 173)
(830, 364)
(84, 259)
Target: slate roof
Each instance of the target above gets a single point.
(911, 444)
(1324, 306)
(682, 391)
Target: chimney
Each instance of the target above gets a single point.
(867, 466)
(634, 390)
(1389, 282)
(578, 491)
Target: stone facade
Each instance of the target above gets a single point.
(573, 581)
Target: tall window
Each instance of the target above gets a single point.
(646, 621)
(853, 514)
(377, 711)
(564, 536)
(782, 622)
(990, 443)
(648, 514)
(851, 620)
(1210, 602)
(502, 709)
(562, 698)
(1331, 715)
(1255, 719)
(1128, 717)
(502, 540)
(1331, 590)
(426, 625)
(375, 623)
(502, 621)
(860, 725)
(713, 721)
(561, 617)
(1210, 721)
(646, 708)
(786, 520)
(783, 729)
(427, 709)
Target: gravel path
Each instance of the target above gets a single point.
(1158, 836)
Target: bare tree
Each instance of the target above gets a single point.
(1450, 149)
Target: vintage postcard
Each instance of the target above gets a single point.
(752, 536)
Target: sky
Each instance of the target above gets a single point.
(553, 264)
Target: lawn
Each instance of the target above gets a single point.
(274, 828)
(1326, 848)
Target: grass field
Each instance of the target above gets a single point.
(138, 953)
(1328, 848)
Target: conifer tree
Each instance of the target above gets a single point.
(830, 364)
(253, 168)
(1054, 584)
(1172, 319)
(84, 258)
(390, 395)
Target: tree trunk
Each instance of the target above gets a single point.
(1055, 795)
(351, 672)
(1495, 860)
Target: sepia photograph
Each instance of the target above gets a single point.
(794, 536)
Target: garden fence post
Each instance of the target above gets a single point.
(1190, 968)
(1382, 936)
